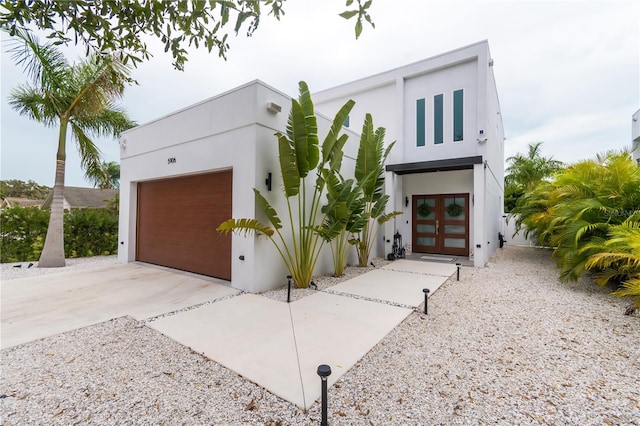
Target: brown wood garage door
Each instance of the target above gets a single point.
(177, 221)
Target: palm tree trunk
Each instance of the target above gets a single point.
(52, 255)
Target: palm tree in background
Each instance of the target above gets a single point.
(525, 172)
(80, 96)
(107, 176)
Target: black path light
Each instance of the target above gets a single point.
(289, 288)
(458, 265)
(324, 371)
(426, 295)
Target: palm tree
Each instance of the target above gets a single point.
(79, 95)
(617, 259)
(525, 172)
(107, 176)
(579, 206)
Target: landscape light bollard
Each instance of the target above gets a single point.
(458, 271)
(289, 288)
(324, 371)
(426, 295)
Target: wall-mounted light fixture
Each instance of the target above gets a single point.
(406, 201)
(267, 181)
(273, 107)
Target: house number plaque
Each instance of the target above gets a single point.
(171, 160)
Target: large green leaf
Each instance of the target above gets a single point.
(329, 147)
(300, 139)
(269, 211)
(311, 126)
(288, 168)
(245, 227)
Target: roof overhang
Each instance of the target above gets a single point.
(463, 163)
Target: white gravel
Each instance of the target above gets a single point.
(10, 271)
(507, 344)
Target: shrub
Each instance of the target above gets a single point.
(22, 232)
(88, 232)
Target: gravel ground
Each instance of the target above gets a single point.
(507, 344)
(10, 271)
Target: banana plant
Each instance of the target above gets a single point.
(344, 211)
(369, 174)
(300, 155)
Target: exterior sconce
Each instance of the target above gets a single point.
(273, 107)
(406, 201)
(267, 181)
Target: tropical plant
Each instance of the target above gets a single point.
(580, 206)
(525, 172)
(369, 174)
(80, 96)
(299, 156)
(344, 211)
(124, 25)
(617, 259)
(107, 176)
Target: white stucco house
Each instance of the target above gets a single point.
(635, 136)
(185, 173)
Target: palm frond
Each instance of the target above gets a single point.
(45, 65)
(244, 227)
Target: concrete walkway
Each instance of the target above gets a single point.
(277, 345)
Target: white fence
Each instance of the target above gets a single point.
(509, 229)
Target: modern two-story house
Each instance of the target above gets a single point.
(446, 172)
(185, 173)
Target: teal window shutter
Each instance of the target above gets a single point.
(438, 131)
(458, 118)
(420, 127)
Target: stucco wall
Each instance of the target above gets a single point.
(220, 133)
(234, 131)
(635, 136)
(426, 86)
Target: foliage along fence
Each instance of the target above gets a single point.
(590, 213)
(87, 232)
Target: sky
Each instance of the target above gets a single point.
(567, 72)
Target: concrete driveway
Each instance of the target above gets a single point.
(37, 307)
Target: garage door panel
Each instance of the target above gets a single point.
(177, 221)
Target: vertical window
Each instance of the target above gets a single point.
(438, 119)
(346, 122)
(458, 102)
(420, 115)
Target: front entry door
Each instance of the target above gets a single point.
(441, 224)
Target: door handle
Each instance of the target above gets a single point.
(437, 227)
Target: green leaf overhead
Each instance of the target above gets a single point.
(126, 25)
